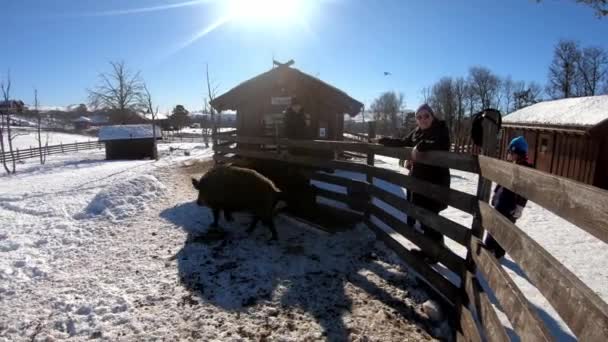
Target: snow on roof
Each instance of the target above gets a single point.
(578, 111)
(82, 119)
(119, 132)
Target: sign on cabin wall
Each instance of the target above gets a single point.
(280, 100)
(323, 129)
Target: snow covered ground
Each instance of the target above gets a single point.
(118, 250)
(28, 138)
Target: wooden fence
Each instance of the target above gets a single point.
(22, 154)
(475, 317)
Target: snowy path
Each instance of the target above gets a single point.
(119, 251)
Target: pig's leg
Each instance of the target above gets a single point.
(216, 217)
(253, 224)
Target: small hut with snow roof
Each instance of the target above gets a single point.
(566, 137)
(129, 141)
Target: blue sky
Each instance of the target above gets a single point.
(60, 46)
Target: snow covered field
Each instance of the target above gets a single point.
(28, 138)
(118, 250)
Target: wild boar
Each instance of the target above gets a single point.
(231, 188)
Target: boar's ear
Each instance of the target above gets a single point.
(195, 183)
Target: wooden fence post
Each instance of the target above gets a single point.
(371, 134)
(61, 145)
(76, 143)
(488, 148)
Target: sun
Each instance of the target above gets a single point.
(265, 11)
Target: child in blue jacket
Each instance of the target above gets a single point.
(505, 201)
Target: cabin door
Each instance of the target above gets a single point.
(544, 152)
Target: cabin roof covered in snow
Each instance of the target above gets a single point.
(122, 132)
(82, 119)
(577, 112)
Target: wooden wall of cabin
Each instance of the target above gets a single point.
(569, 155)
(600, 178)
(575, 157)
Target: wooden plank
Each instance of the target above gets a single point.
(468, 326)
(582, 309)
(300, 160)
(441, 285)
(451, 229)
(444, 255)
(583, 205)
(457, 199)
(341, 181)
(336, 196)
(492, 327)
(437, 158)
(522, 315)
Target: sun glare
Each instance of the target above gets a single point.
(266, 11)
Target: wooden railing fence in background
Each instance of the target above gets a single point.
(22, 154)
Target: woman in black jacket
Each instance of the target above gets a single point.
(430, 134)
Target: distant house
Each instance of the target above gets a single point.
(82, 123)
(128, 141)
(567, 137)
(100, 119)
(12, 106)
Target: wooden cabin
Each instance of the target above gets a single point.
(566, 137)
(129, 141)
(260, 102)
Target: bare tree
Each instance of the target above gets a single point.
(460, 94)
(205, 126)
(507, 86)
(386, 109)
(211, 93)
(120, 91)
(526, 95)
(563, 70)
(146, 100)
(600, 6)
(39, 137)
(485, 85)
(443, 101)
(426, 94)
(5, 86)
(592, 68)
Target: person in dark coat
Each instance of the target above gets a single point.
(295, 125)
(505, 201)
(431, 134)
(295, 121)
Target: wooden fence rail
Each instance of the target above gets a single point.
(587, 207)
(48, 150)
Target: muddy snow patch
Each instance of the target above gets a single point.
(124, 199)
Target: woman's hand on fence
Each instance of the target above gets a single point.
(415, 155)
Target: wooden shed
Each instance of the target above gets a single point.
(260, 101)
(566, 137)
(129, 141)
